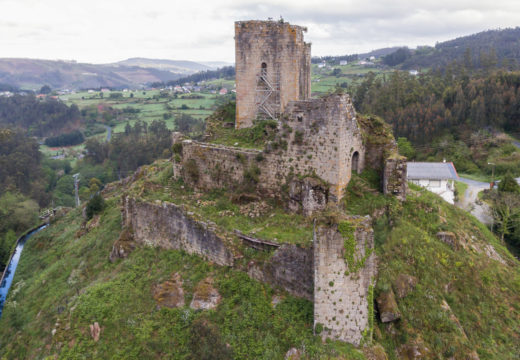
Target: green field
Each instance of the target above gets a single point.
(324, 81)
(151, 104)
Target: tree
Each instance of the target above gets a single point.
(397, 57)
(18, 213)
(506, 212)
(96, 151)
(94, 206)
(336, 72)
(508, 185)
(405, 147)
(45, 89)
(187, 124)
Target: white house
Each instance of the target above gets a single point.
(437, 177)
(343, 62)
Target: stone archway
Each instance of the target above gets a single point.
(355, 162)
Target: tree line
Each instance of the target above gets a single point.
(421, 108)
(38, 117)
(140, 144)
(72, 138)
(478, 51)
(226, 72)
(22, 187)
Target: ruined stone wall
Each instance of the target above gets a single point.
(210, 166)
(394, 177)
(287, 58)
(379, 141)
(341, 296)
(290, 267)
(323, 140)
(318, 273)
(165, 225)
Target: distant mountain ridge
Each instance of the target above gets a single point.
(175, 66)
(32, 74)
(485, 49)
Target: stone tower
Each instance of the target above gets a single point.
(273, 67)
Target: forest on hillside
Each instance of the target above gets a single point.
(38, 117)
(422, 108)
(477, 51)
(226, 72)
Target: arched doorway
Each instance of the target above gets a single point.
(355, 162)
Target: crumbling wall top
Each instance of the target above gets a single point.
(270, 25)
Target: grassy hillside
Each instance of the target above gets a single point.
(467, 296)
(65, 283)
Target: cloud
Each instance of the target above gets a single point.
(106, 31)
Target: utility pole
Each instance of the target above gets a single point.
(76, 185)
(492, 187)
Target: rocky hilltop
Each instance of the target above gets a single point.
(170, 271)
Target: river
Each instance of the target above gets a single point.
(13, 263)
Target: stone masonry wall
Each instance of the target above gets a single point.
(324, 138)
(341, 300)
(290, 267)
(288, 61)
(394, 177)
(217, 166)
(165, 225)
(319, 272)
(321, 137)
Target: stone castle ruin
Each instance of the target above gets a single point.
(271, 59)
(318, 144)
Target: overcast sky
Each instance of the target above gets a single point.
(101, 31)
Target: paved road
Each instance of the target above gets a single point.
(517, 144)
(109, 132)
(475, 183)
(470, 201)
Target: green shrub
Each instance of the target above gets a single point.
(298, 137)
(94, 206)
(177, 148)
(509, 184)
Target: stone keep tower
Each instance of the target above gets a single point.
(273, 67)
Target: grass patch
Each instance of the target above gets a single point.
(220, 128)
(460, 190)
(266, 219)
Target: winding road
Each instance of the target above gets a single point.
(109, 132)
(471, 203)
